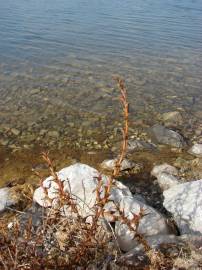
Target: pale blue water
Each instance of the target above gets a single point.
(42, 30)
(79, 44)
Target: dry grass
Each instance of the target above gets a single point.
(191, 260)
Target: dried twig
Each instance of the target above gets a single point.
(125, 105)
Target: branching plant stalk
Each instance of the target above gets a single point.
(125, 106)
(63, 195)
(103, 199)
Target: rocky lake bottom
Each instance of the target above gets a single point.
(76, 107)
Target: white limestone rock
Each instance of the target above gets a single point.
(164, 168)
(81, 181)
(196, 150)
(152, 223)
(184, 201)
(167, 181)
(6, 199)
(109, 164)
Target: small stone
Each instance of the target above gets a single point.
(196, 150)
(172, 118)
(167, 181)
(53, 133)
(4, 142)
(98, 146)
(198, 132)
(71, 124)
(6, 199)
(109, 164)
(164, 168)
(34, 91)
(15, 131)
(138, 145)
(42, 132)
(14, 146)
(167, 136)
(26, 146)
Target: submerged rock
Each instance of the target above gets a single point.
(172, 118)
(164, 168)
(184, 201)
(167, 136)
(53, 133)
(15, 131)
(152, 223)
(135, 145)
(109, 164)
(196, 150)
(139, 145)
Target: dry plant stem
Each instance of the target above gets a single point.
(53, 172)
(139, 237)
(117, 167)
(88, 234)
(135, 221)
(64, 196)
(3, 263)
(116, 171)
(41, 183)
(125, 105)
(102, 200)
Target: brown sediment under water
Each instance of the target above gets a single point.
(19, 167)
(56, 89)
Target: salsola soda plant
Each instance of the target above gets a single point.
(60, 242)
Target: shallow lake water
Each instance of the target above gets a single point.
(57, 59)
